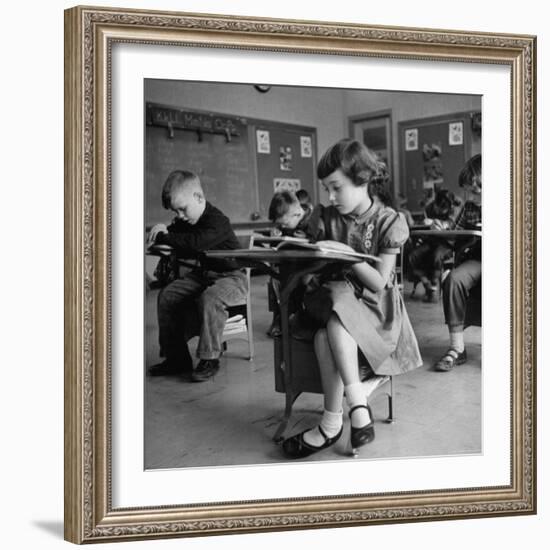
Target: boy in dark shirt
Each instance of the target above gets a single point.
(197, 302)
(288, 215)
(290, 219)
(305, 202)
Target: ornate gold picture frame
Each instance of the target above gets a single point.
(90, 36)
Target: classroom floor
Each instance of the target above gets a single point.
(231, 419)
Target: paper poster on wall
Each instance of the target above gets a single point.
(286, 184)
(456, 136)
(285, 158)
(411, 139)
(263, 143)
(305, 146)
(433, 165)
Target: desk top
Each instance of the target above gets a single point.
(159, 250)
(283, 256)
(446, 233)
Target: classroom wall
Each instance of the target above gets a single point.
(409, 106)
(324, 108)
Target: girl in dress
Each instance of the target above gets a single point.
(364, 308)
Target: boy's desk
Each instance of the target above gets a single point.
(447, 233)
(288, 266)
(457, 238)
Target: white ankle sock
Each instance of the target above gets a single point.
(355, 395)
(331, 422)
(457, 341)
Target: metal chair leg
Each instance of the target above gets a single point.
(391, 418)
(289, 401)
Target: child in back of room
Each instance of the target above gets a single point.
(365, 310)
(288, 215)
(290, 219)
(426, 260)
(466, 274)
(305, 201)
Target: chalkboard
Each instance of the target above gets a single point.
(217, 149)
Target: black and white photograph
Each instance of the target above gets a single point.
(300, 275)
(312, 274)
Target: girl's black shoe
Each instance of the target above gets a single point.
(365, 434)
(296, 447)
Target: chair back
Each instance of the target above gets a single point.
(400, 270)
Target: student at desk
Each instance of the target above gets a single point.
(305, 201)
(359, 308)
(197, 302)
(288, 215)
(467, 273)
(290, 219)
(426, 259)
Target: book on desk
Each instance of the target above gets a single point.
(282, 243)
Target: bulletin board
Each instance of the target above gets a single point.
(432, 153)
(286, 157)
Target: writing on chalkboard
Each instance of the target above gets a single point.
(179, 119)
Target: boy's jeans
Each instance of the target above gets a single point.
(456, 289)
(196, 304)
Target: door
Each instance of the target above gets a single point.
(374, 130)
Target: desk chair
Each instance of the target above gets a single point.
(400, 270)
(307, 377)
(239, 323)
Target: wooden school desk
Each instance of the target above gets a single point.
(457, 238)
(288, 266)
(446, 233)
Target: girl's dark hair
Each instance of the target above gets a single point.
(354, 159)
(379, 186)
(280, 203)
(471, 171)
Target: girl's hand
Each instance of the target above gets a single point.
(275, 232)
(438, 225)
(335, 245)
(156, 229)
(310, 282)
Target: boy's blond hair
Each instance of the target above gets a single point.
(177, 181)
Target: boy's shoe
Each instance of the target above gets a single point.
(170, 368)
(274, 330)
(432, 294)
(451, 359)
(205, 370)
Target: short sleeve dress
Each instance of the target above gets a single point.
(378, 321)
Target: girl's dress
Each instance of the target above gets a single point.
(377, 321)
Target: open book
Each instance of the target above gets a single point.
(274, 241)
(297, 243)
(303, 244)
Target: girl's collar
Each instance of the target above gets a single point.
(374, 206)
